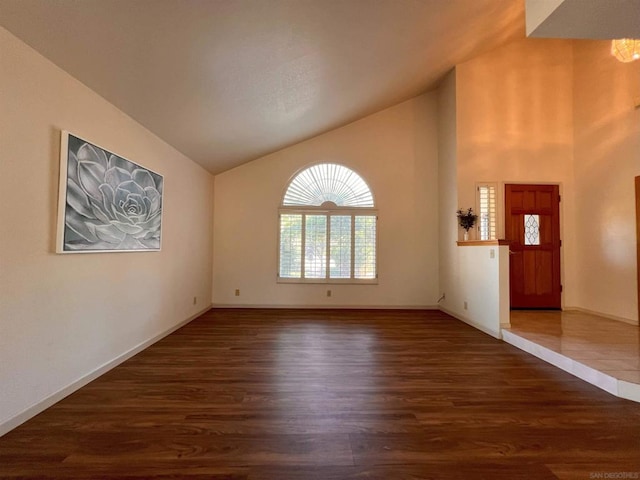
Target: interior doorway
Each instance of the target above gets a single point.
(532, 227)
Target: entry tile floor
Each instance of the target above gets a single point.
(602, 351)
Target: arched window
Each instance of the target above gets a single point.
(328, 228)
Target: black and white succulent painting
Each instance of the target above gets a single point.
(108, 203)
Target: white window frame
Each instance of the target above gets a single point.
(496, 216)
(329, 212)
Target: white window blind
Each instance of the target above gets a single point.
(344, 250)
(315, 246)
(487, 211)
(340, 246)
(328, 182)
(365, 247)
(290, 246)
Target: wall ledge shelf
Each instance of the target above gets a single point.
(481, 243)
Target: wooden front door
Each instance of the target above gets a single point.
(532, 226)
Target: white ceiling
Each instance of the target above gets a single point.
(583, 19)
(227, 81)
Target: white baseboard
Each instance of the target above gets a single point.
(47, 402)
(328, 307)
(470, 322)
(601, 314)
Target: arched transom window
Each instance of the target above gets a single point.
(328, 228)
(328, 182)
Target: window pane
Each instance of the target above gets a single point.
(340, 247)
(532, 229)
(365, 246)
(290, 246)
(487, 212)
(315, 255)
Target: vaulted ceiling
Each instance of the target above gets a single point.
(227, 81)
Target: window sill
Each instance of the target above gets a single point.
(481, 243)
(334, 281)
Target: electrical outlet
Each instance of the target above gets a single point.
(465, 305)
(237, 292)
(328, 293)
(195, 300)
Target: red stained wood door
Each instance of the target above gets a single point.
(532, 226)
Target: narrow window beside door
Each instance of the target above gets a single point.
(487, 211)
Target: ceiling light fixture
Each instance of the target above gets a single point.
(626, 49)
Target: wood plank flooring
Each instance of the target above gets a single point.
(329, 395)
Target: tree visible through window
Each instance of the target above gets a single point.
(328, 227)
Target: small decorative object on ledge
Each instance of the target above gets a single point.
(466, 219)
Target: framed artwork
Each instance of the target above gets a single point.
(106, 203)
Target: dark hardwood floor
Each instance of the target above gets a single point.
(329, 395)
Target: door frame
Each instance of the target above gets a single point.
(502, 201)
(638, 239)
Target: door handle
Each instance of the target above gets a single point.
(511, 252)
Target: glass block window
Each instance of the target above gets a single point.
(328, 228)
(487, 214)
(531, 229)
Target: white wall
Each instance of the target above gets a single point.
(448, 192)
(515, 118)
(64, 316)
(468, 274)
(483, 285)
(515, 125)
(607, 155)
(395, 151)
